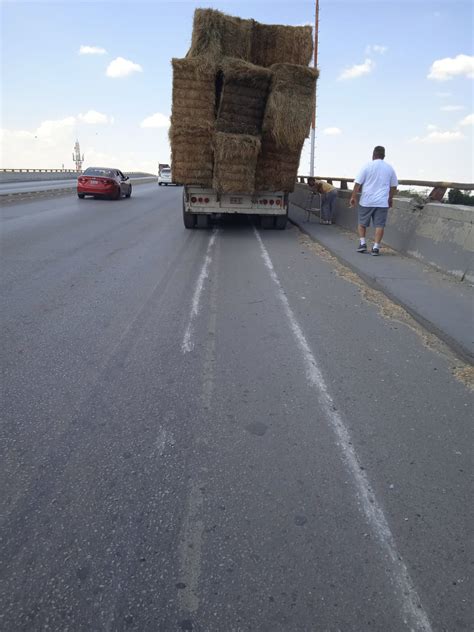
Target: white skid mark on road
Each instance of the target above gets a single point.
(415, 617)
(187, 345)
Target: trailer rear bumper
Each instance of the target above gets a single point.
(197, 200)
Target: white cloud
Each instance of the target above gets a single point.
(452, 108)
(332, 131)
(375, 48)
(438, 136)
(449, 67)
(156, 120)
(48, 146)
(467, 120)
(121, 67)
(358, 70)
(92, 50)
(95, 118)
(431, 128)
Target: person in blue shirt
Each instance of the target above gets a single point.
(378, 182)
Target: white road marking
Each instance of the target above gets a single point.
(188, 344)
(415, 616)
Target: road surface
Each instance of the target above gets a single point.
(219, 431)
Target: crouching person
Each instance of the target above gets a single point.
(328, 199)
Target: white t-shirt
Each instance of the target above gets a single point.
(376, 179)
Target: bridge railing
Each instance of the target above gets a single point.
(438, 188)
(38, 171)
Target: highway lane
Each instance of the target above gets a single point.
(217, 430)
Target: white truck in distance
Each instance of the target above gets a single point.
(200, 205)
(164, 176)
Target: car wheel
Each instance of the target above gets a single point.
(117, 195)
(159, 184)
(80, 196)
(129, 192)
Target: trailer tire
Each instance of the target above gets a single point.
(280, 221)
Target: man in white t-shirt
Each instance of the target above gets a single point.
(378, 183)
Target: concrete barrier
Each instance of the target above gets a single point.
(43, 175)
(21, 196)
(440, 235)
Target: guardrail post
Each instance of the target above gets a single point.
(437, 194)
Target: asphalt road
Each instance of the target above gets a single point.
(219, 431)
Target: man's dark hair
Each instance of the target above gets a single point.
(379, 152)
(311, 180)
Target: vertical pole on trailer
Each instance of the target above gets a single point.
(313, 123)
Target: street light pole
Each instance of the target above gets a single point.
(313, 123)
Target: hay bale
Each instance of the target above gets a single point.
(277, 44)
(217, 35)
(243, 97)
(276, 168)
(194, 93)
(235, 160)
(290, 104)
(191, 155)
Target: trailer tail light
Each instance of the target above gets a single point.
(265, 202)
(193, 200)
(272, 202)
(206, 200)
(278, 202)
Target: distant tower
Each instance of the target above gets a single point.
(76, 156)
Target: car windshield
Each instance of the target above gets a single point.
(166, 172)
(104, 173)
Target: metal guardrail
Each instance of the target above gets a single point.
(73, 171)
(438, 188)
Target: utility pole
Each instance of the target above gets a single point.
(313, 124)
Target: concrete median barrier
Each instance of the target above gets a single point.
(56, 191)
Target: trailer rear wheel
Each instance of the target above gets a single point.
(189, 219)
(280, 222)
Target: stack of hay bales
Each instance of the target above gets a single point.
(192, 121)
(242, 104)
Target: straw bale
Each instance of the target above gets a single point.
(243, 97)
(235, 162)
(278, 44)
(217, 35)
(191, 155)
(290, 104)
(276, 168)
(194, 93)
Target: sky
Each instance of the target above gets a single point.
(393, 73)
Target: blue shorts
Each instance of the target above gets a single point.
(378, 214)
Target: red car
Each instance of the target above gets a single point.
(101, 182)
